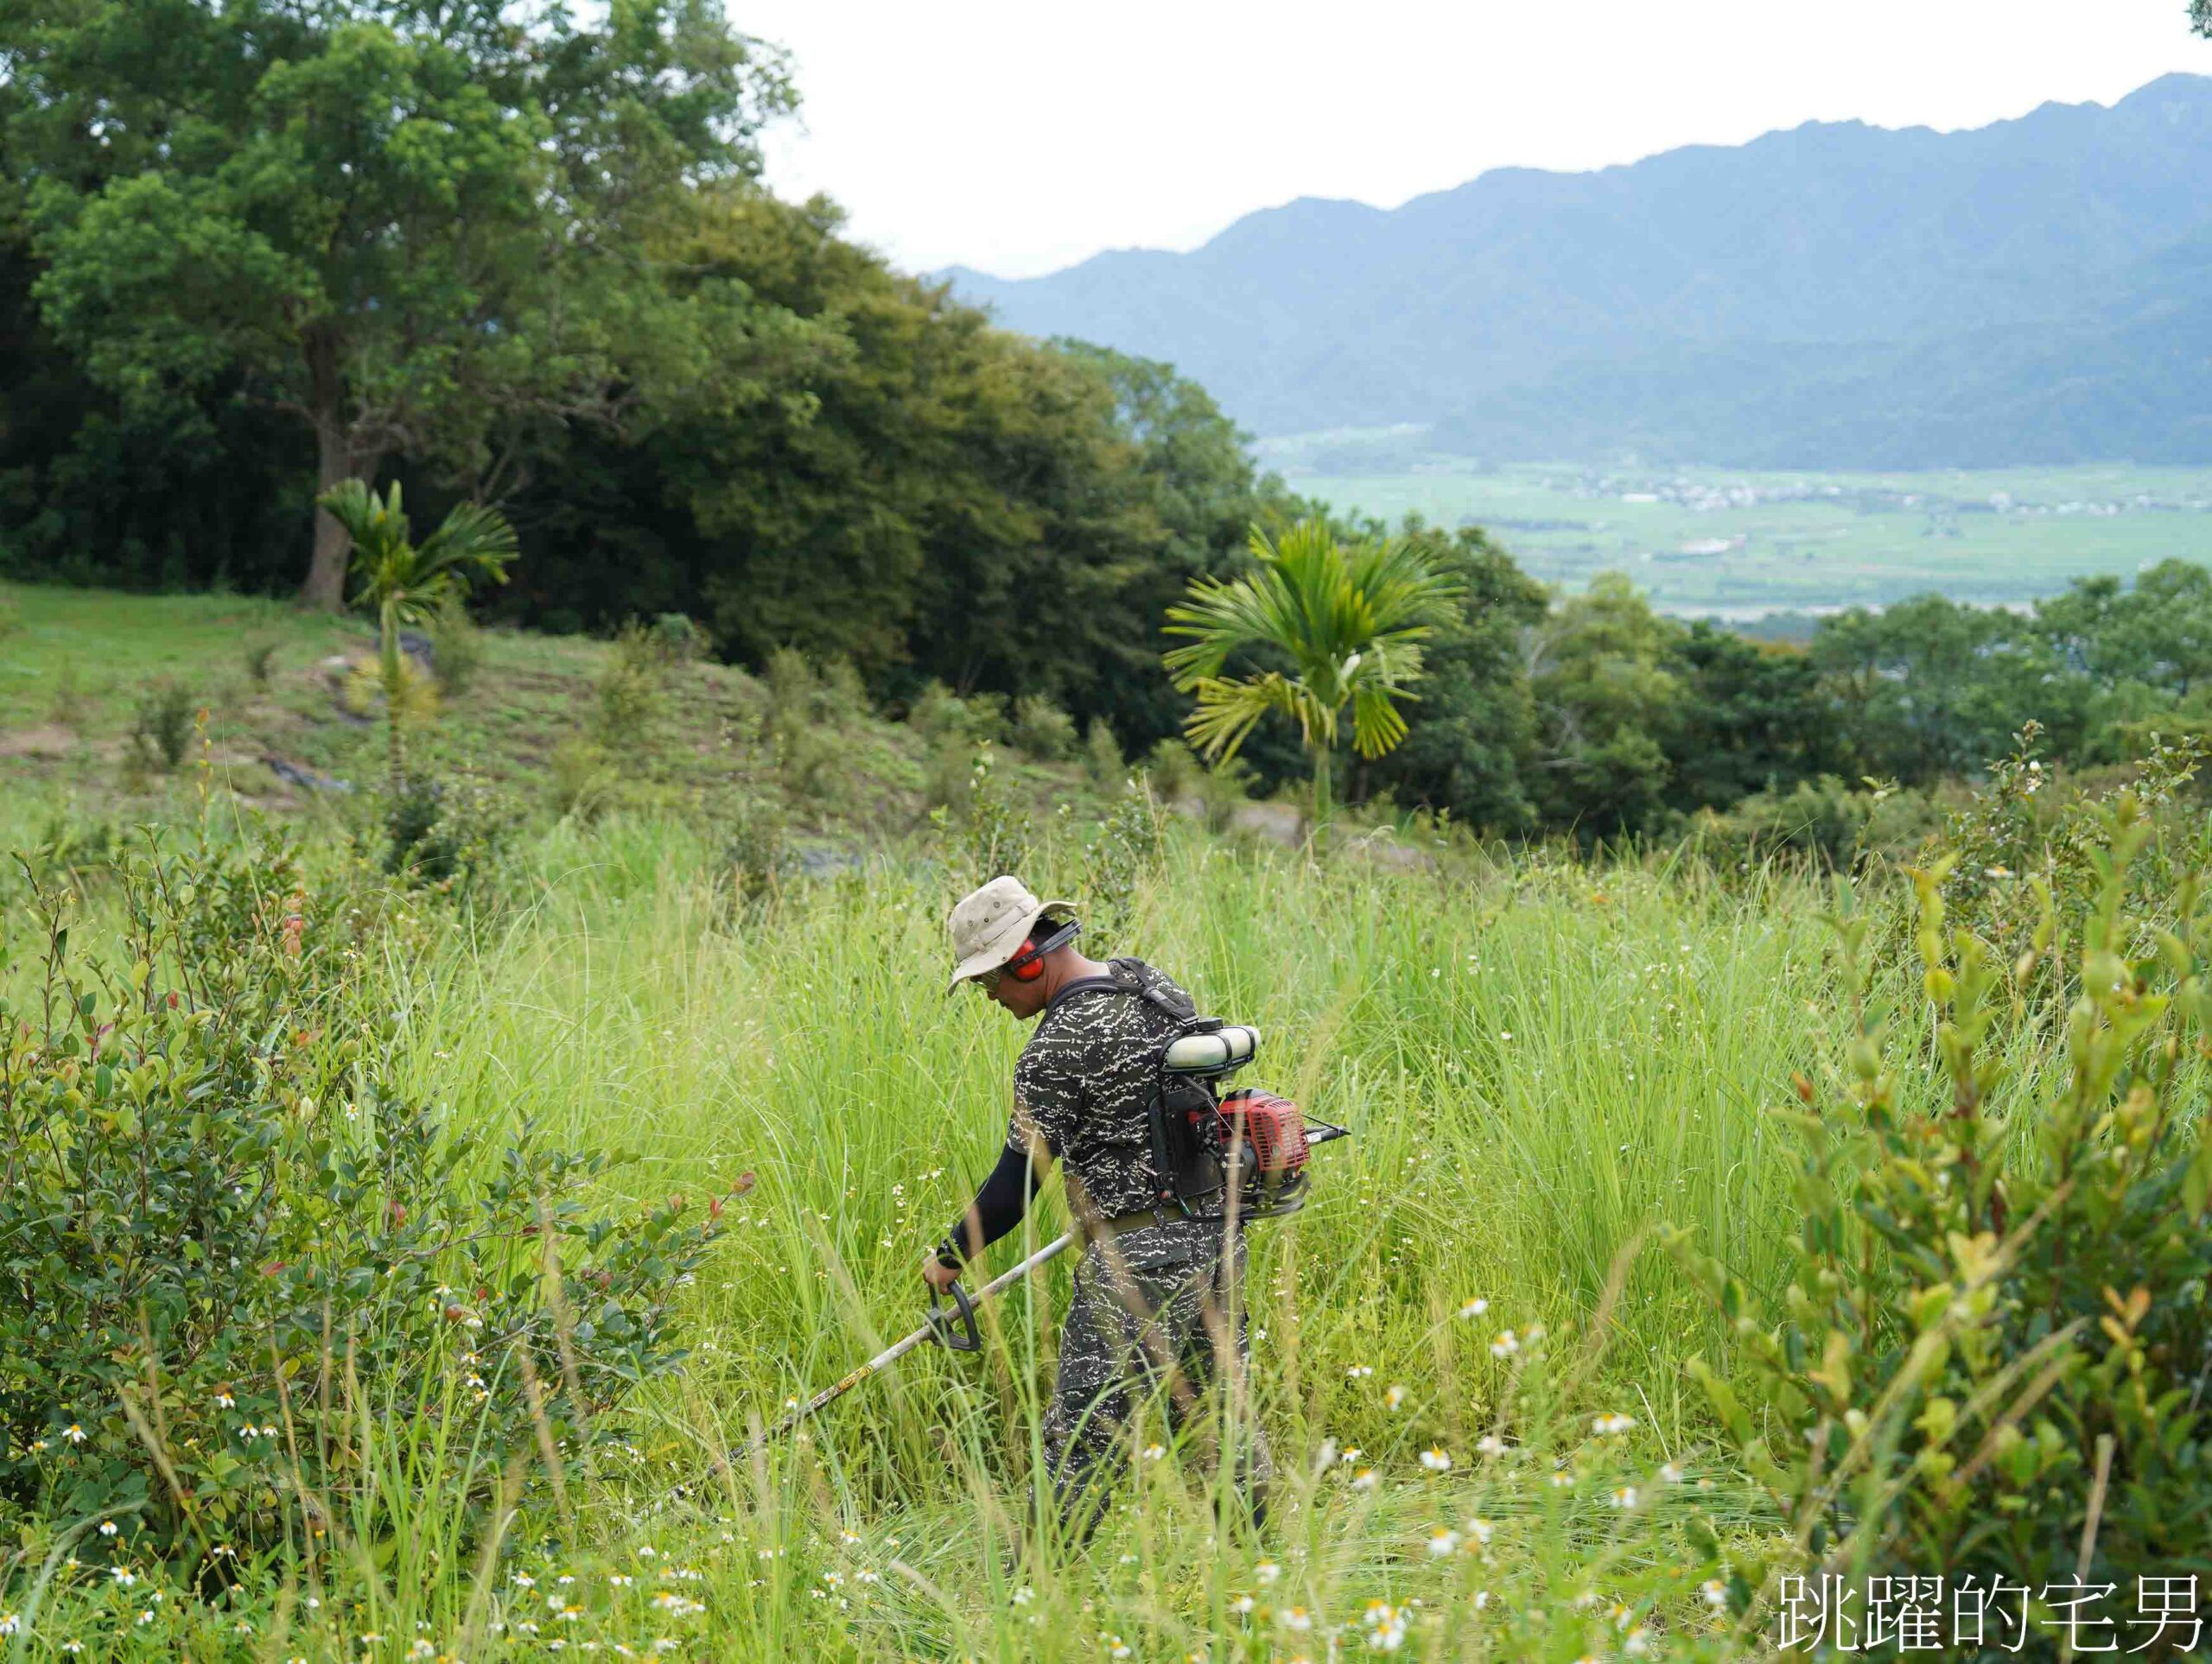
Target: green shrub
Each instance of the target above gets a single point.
(1824, 820)
(581, 780)
(71, 706)
(160, 725)
(1174, 773)
(631, 695)
(991, 833)
(447, 834)
(1101, 756)
(240, 1271)
(680, 639)
(1995, 1337)
(260, 656)
(1043, 729)
(1125, 858)
(456, 647)
(754, 849)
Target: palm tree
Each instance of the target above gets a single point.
(406, 583)
(1350, 619)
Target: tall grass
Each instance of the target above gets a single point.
(1538, 1062)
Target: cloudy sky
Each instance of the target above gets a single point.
(1020, 135)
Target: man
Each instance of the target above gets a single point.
(1158, 1301)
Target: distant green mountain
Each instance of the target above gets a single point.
(1836, 296)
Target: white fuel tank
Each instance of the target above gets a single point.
(1230, 1046)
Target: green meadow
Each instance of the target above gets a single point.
(1736, 545)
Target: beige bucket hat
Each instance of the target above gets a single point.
(990, 926)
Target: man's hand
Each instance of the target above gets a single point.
(937, 1274)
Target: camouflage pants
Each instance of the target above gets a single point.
(1151, 1318)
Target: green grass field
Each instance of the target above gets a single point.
(1735, 544)
(1544, 1064)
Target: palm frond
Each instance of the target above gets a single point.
(475, 538)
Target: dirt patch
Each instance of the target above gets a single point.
(49, 740)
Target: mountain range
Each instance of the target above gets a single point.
(1837, 295)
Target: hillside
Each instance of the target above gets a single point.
(1837, 295)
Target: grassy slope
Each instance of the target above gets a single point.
(78, 663)
(1539, 1064)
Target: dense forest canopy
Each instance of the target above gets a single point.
(504, 253)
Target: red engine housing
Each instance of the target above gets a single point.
(1273, 1126)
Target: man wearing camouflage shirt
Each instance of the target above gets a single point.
(1158, 1299)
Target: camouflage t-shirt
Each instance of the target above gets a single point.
(1084, 1085)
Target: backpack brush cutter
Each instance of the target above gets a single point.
(1259, 1143)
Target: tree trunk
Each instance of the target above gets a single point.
(336, 460)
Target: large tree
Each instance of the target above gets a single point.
(414, 225)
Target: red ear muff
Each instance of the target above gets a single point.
(1027, 965)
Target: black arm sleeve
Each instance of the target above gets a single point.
(999, 1206)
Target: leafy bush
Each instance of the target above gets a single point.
(1996, 1334)
(632, 693)
(260, 656)
(1175, 773)
(680, 639)
(160, 724)
(444, 833)
(1102, 755)
(753, 850)
(990, 833)
(231, 1253)
(1823, 819)
(456, 647)
(1043, 729)
(581, 779)
(1124, 859)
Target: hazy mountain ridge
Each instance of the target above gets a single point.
(1836, 294)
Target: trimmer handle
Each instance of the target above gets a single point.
(954, 1328)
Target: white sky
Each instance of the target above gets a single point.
(1020, 135)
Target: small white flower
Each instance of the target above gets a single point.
(1624, 1498)
(1671, 1475)
(1153, 1453)
(1490, 1444)
(1715, 1592)
(1481, 1529)
(1243, 1604)
(1442, 1541)
(523, 1580)
(224, 1401)
(9, 1623)
(1612, 1424)
(1363, 1480)
(1474, 1308)
(73, 1433)
(1639, 1643)
(1266, 1572)
(1505, 1345)
(1435, 1460)
(107, 1528)
(1482, 1598)
(1358, 1371)
(1393, 1398)
(123, 1576)
(1295, 1618)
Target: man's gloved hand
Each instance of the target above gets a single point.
(937, 1272)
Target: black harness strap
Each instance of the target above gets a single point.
(1163, 1156)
